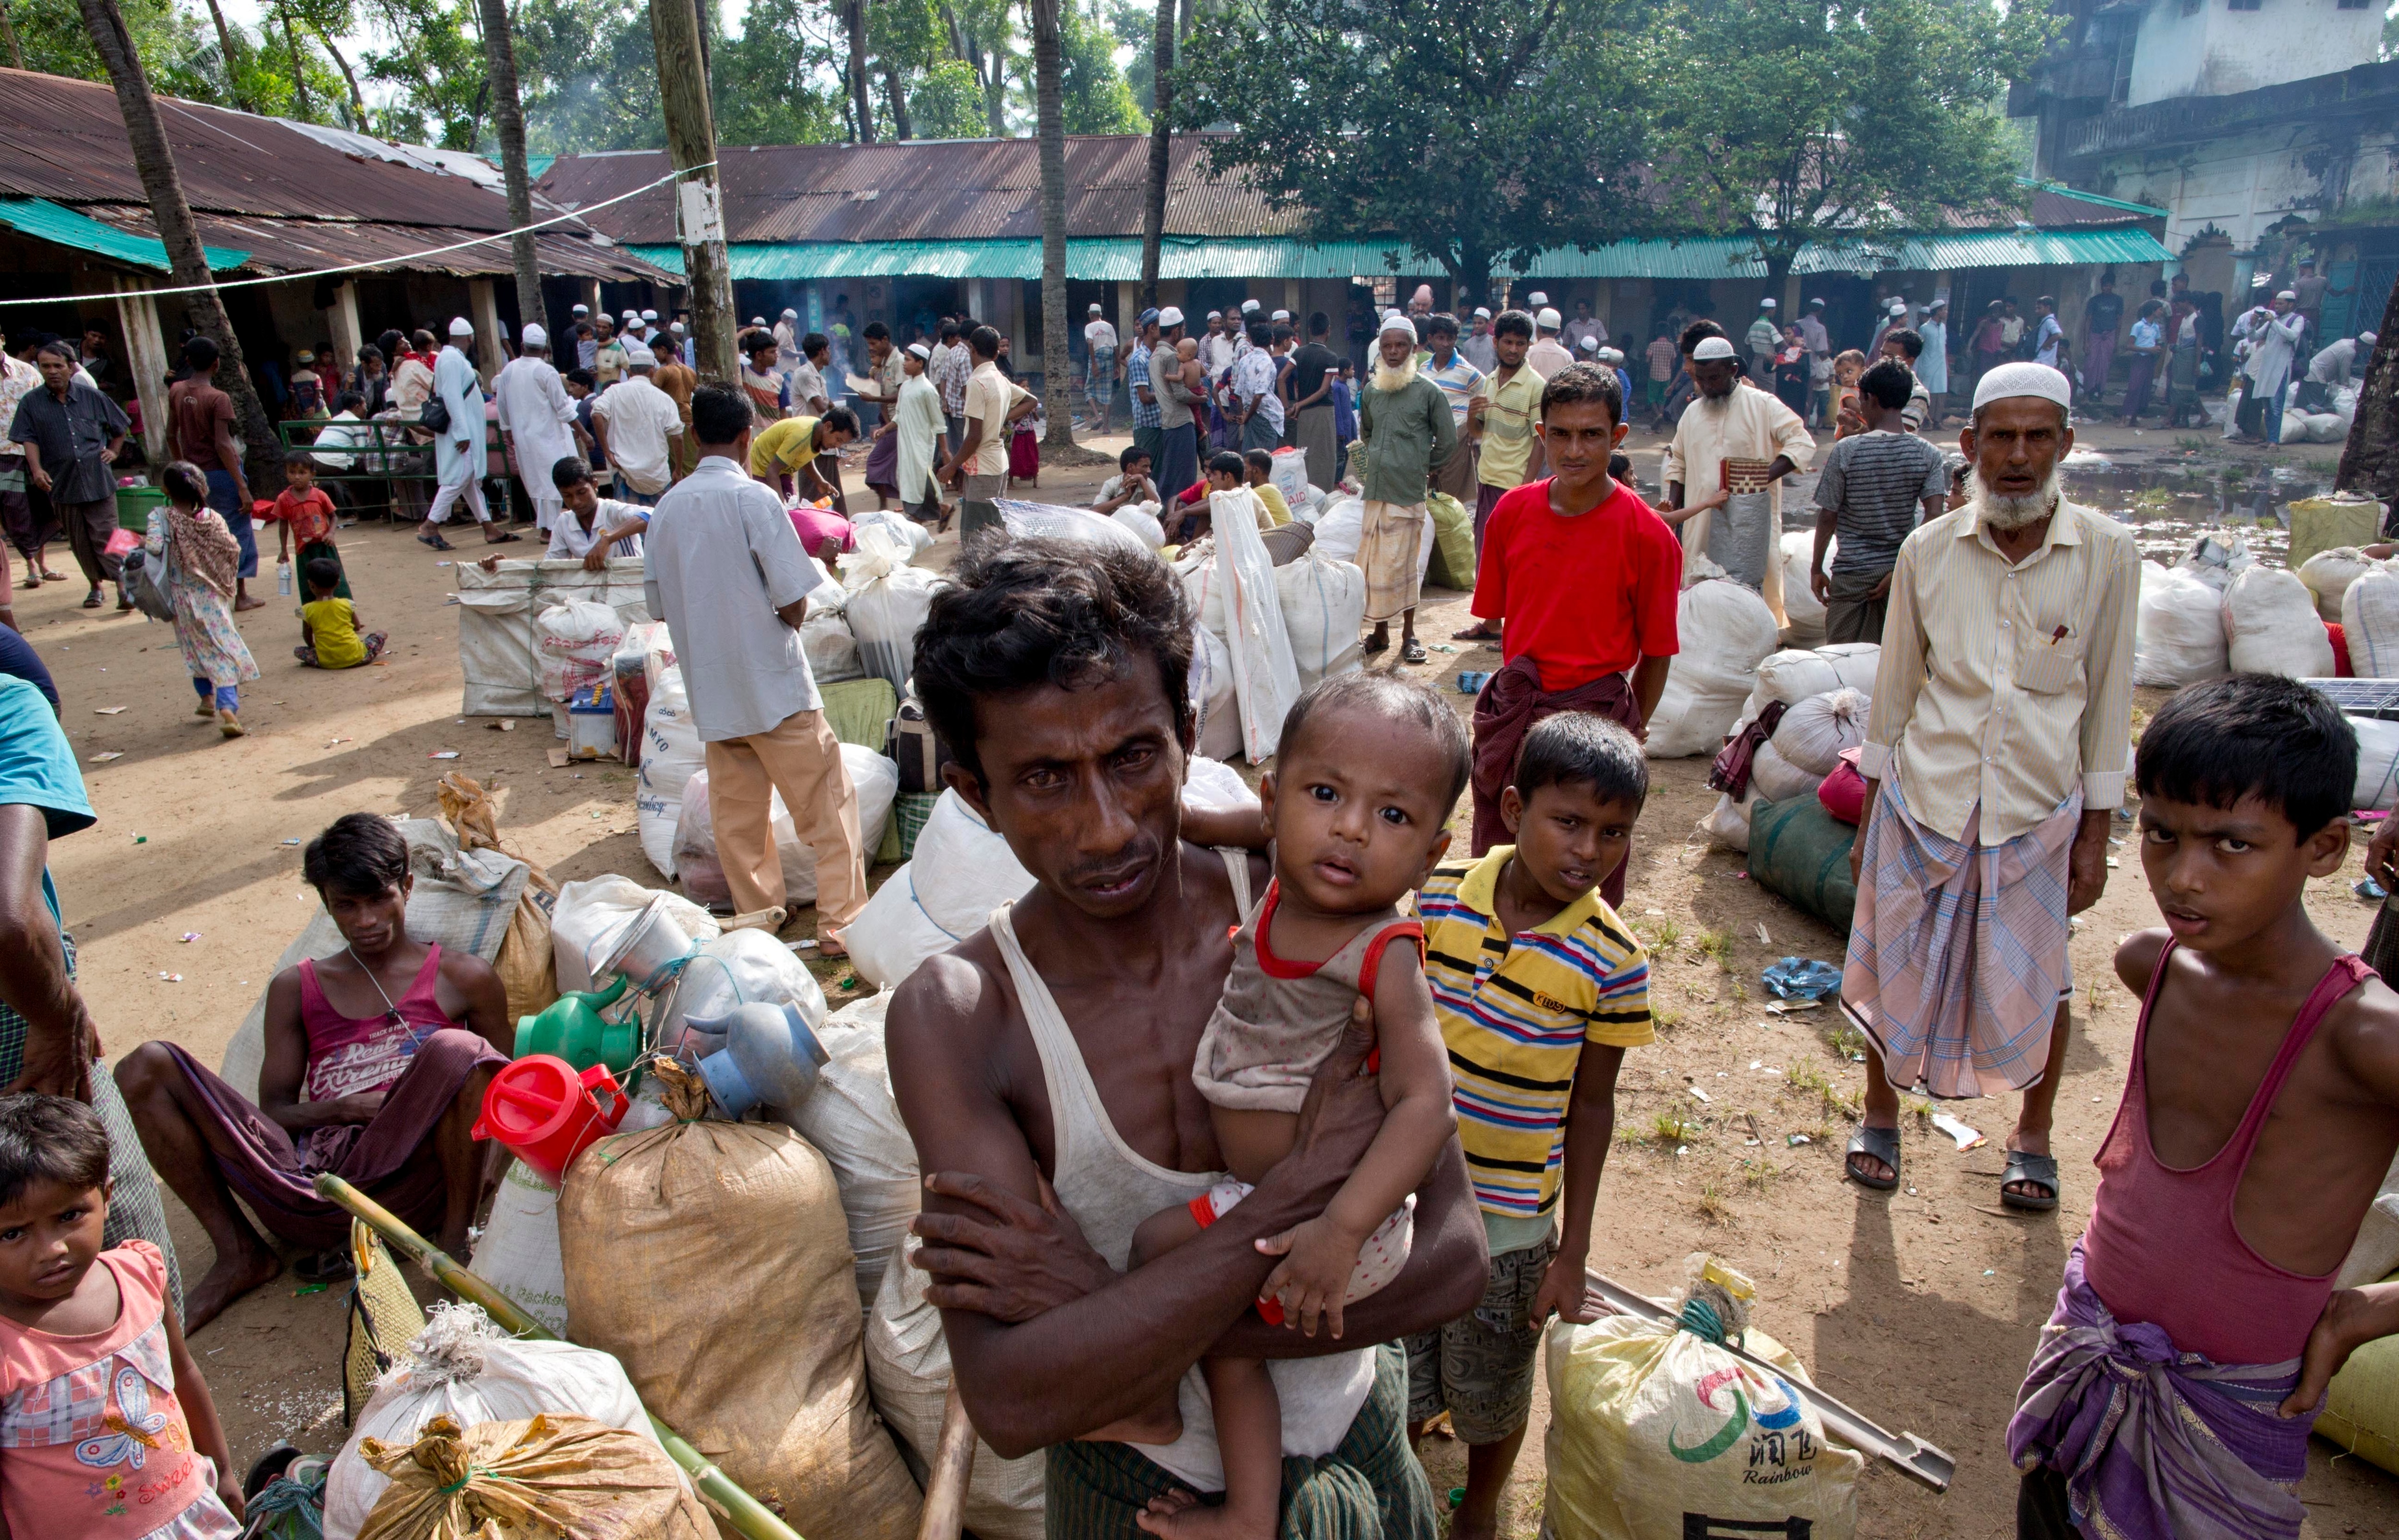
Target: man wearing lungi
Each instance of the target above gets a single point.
(1993, 760)
(1741, 441)
(1407, 428)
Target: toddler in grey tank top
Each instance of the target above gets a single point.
(1368, 773)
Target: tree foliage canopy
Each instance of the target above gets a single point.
(1475, 129)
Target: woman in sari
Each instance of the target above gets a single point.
(198, 557)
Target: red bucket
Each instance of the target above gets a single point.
(547, 1113)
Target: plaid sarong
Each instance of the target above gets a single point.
(1956, 954)
(1387, 554)
(2156, 1444)
(1371, 1488)
(134, 1206)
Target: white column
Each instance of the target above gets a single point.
(145, 347)
(343, 317)
(1294, 299)
(483, 300)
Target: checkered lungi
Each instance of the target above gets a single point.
(1386, 553)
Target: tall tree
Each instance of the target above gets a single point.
(1092, 94)
(171, 43)
(224, 48)
(299, 72)
(691, 143)
(153, 161)
(508, 116)
(1050, 118)
(1464, 131)
(16, 49)
(862, 104)
(2369, 462)
(1161, 150)
(1788, 122)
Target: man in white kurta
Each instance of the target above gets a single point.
(2274, 332)
(1730, 422)
(917, 419)
(457, 449)
(536, 423)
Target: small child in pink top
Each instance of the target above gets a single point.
(106, 1428)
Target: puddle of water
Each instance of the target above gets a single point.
(2167, 505)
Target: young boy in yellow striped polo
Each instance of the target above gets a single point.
(1540, 988)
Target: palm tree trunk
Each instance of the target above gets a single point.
(500, 54)
(232, 59)
(155, 160)
(2370, 463)
(691, 143)
(1153, 208)
(357, 98)
(853, 20)
(299, 77)
(1057, 365)
(8, 31)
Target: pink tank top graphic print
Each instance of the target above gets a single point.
(2163, 1248)
(352, 1055)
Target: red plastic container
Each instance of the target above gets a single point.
(547, 1113)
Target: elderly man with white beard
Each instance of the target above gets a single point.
(1407, 428)
(1994, 758)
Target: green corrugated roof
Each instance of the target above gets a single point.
(1118, 261)
(62, 227)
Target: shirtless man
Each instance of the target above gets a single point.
(1044, 1069)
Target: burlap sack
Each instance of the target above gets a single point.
(552, 1474)
(712, 1258)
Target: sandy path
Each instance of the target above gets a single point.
(1920, 1307)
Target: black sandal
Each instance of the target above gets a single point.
(436, 542)
(1413, 651)
(1879, 1144)
(1374, 645)
(2038, 1170)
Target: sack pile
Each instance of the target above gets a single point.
(578, 641)
(874, 778)
(886, 602)
(1726, 631)
(854, 1122)
(1323, 614)
(961, 872)
(553, 1474)
(2271, 627)
(2328, 575)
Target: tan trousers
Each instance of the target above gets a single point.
(801, 759)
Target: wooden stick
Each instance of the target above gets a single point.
(745, 1513)
(946, 1483)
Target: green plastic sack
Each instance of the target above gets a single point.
(1801, 852)
(1453, 544)
(860, 711)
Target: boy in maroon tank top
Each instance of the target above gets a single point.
(2260, 1113)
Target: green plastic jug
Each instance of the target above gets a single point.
(572, 1029)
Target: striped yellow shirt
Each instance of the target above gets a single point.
(1516, 1015)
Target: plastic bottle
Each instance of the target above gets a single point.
(283, 578)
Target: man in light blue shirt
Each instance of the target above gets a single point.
(727, 573)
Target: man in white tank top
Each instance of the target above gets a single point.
(1043, 1066)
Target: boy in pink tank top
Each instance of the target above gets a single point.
(2175, 1383)
(106, 1428)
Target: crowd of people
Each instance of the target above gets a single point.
(1163, 1046)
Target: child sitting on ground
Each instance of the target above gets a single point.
(2261, 1111)
(1366, 772)
(1131, 484)
(1257, 469)
(304, 517)
(110, 1432)
(328, 624)
(1536, 1091)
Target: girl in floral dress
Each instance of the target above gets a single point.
(201, 556)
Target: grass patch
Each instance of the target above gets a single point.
(1713, 1207)
(1846, 1042)
(1917, 1108)
(1674, 1127)
(1665, 933)
(2190, 445)
(1663, 1019)
(2154, 500)
(1758, 1175)
(1716, 944)
(1807, 1080)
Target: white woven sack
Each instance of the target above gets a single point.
(1324, 611)
(2378, 765)
(1209, 687)
(832, 650)
(960, 872)
(2271, 627)
(1812, 734)
(873, 778)
(518, 1250)
(1727, 629)
(1266, 679)
(2328, 575)
(2370, 621)
(1339, 528)
(886, 603)
(852, 1120)
(670, 755)
(2178, 629)
(1726, 825)
(1800, 606)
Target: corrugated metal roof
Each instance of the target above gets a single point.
(2031, 248)
(47, 220)
(289, 192)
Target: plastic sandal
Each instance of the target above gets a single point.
(2039, 1170)
(436, 542)
(1880, 1143)
(1413, 651)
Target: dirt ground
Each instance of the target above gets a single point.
(1920, 1307)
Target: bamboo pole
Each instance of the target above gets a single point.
(946, 1483)
(753, 1518)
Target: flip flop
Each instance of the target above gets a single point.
(1880, 1143)
(1475, 633)
(501, 540)
(1413, 651)
(1374, 645)
(436, 542)
(2040, 1170)
(91, 599)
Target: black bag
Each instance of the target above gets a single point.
(435, 415)
(918, 749)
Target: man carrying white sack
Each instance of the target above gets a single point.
(1994, 758)
(536, 423)
(1405, 429)
(1741, 441)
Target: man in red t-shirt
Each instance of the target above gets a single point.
(1587, 577)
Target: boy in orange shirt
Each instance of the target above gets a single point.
(304, 516)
